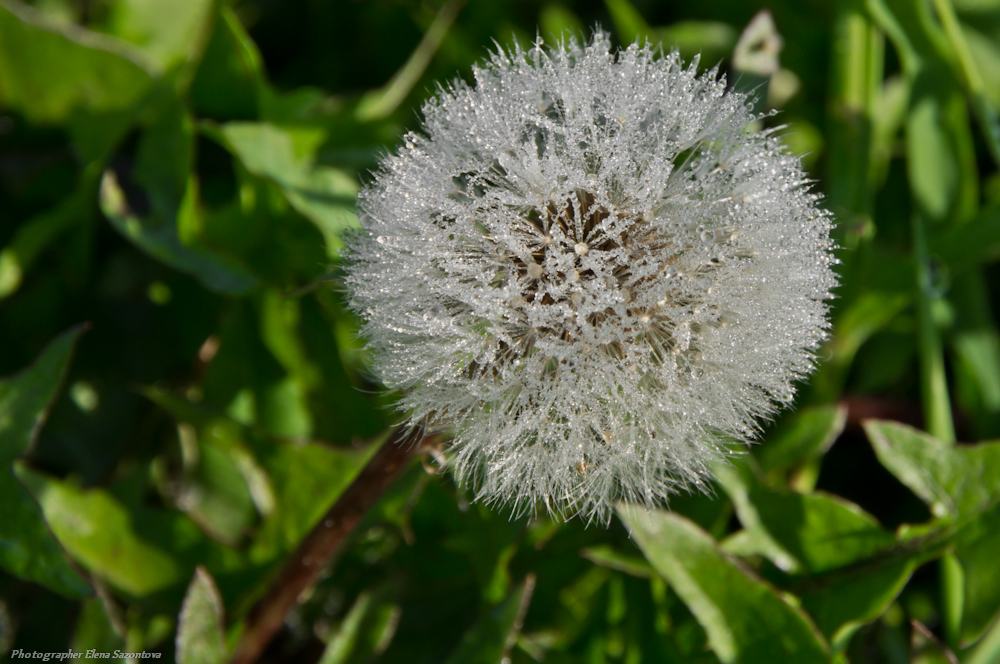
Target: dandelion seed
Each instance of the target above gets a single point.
(590, 271)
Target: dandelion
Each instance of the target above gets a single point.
(590, 271)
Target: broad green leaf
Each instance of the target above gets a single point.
(50, 71)
(745, 619)
(287, 156)
(490, 638)
(27, 547)
(843, 600)
(953, 481)
(160, 240)
(169, 33)
(800, 437)
(976, 548)
(931, 162)
(98, 531)
(367, 629)
(811, 533)
(962, 483)
(200, 637)
(57, 74)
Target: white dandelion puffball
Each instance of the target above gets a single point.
(589, 270)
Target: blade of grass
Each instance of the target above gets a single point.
(985, 112)
(382, 102)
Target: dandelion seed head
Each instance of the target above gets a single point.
(588, 269)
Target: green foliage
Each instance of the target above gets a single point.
(27, 548)
(200, 639)
(179, 173)
(744, 619)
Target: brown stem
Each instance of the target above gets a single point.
(268, 615)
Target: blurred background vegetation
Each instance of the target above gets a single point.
(174, 176)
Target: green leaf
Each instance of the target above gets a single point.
(976, 549)
(952, 481)
(50, 71)
(745, 619)
(489, 640)
(161, 241)
(287, 156)
(200, 638)
(58, 74)
(811, 533)
(958, 482)
(801, 437)
(169, 33)
(367, 629)
(98, 531)
(27, 547)
(931, 162)
(843, 600)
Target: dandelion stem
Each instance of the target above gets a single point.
(326, 537)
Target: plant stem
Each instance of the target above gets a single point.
(982, 106)
(933, 381)
(323, 541)
(937, 418)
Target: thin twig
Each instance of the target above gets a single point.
(318, 547)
